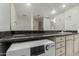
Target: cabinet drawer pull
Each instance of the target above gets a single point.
(60, 51)
(61, 39)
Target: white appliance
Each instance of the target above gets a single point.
(34, 48)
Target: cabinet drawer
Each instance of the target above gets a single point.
(69, 37)
(62, 54)
(60, 39)
(76, 36)
(60, 51)
(61, 44)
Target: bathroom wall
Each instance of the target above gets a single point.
(4, 17)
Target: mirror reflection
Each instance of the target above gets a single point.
(39, 16)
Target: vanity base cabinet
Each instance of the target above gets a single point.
(76, 45)
(69, 45)
(69, 48)
(60, 51)
(59, 45)
(66, 45)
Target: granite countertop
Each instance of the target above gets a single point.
(28, 37)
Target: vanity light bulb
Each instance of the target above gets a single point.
(63, 6)
(28, 4)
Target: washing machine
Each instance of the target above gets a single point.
(43, 47)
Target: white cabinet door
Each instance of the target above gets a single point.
(76, 46)
(69, 47)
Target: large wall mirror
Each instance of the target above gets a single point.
(39, 16)
(34, 16)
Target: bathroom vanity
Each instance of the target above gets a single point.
(66, 44)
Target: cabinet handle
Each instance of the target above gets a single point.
(60, 51)
(61, 39)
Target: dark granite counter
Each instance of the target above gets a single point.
(30, 37)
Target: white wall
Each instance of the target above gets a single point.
(4, 17)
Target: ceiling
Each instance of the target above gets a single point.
(42, 9)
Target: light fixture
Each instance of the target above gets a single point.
(28, 4)
(53, 20)
(53, 11)
(63, 6)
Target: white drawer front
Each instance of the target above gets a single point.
(60, 39)
(69, 37)
(62, 54)
(76, 36)
(60, 51)
(61, 44)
